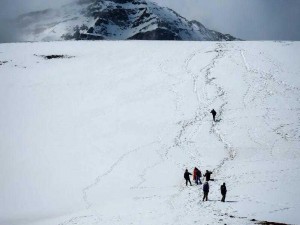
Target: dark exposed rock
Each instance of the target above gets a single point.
(55, 56)
(123, 1)
(158, 34)
(117, 16)
(91, 37)
(84, 27)
(90, 30)
(3, 62)
(143, 18)
(81, 2)
(270, 223)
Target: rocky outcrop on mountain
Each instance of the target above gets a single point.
(113, 20)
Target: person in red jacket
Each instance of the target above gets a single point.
(197, 175)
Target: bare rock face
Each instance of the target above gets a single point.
(113, 20)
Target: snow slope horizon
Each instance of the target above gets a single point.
(104, 137)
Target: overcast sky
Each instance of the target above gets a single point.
(246, 19)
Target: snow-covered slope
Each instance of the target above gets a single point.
(113, 20)
(103, 135)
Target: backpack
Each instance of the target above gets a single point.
(205, 187)
(186, 175)
(199, 173)
(223, 189)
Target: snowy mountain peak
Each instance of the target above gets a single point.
(113, 20)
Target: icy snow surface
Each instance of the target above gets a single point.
(105, 136)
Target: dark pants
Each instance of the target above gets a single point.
(214, 117)
(223, 197)
(205, 195)
(188, 180)
(198, 180)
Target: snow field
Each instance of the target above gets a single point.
(104, 137)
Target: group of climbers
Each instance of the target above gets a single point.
(197, 174)
(197, 178)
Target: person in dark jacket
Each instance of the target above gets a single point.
(198, 176)
(223, 192)
(205, 191)
(214, 113)
(187, 177)
(207, 175)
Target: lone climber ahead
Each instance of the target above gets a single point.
(214, 113)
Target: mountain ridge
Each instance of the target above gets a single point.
(113, 20)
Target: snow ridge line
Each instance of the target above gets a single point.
(220, 95)
(203, 110)
(144, 172)
(267, 75)
(88, 219)
(184, 123)
(269, 82)
(262, 85)
(245, 61)
(209, 81)
(101, 176)
(194, 76)
(203, 105)
(172, 89)
(230, 149)
(198, 117)
(200, 114)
